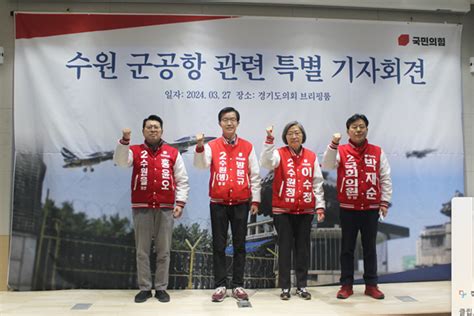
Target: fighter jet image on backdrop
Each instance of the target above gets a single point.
(72, 160)
(419, 153)
(183, 143)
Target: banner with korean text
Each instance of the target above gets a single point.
(81, 78)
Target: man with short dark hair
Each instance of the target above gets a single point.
(364, 191)
(234, 184)
(159, 193)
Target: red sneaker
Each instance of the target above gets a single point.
(345, 291)
(373, 291)
(239, 294)
(220, 294)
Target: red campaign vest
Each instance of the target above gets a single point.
(229, 182)
(293, 183)
(358, 177)
(153, 183)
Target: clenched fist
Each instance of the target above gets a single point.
(270, 131)
(336, 137)
(199, 139)
(126, 132)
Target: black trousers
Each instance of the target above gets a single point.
(294, 232)
(351, 223)
(221, 216)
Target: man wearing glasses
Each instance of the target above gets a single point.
(234, 189)
(159, 193)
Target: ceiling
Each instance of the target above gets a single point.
(461, 6)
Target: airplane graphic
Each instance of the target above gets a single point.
(71, 160)
(184, 143)
(419, 153)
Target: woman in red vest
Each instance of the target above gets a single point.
(297, 195)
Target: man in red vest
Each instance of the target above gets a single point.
(297, 195)
(159, 192)
(234, 188)
(364, 191)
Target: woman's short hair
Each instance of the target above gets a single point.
(290, 125)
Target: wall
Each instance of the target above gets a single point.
(6, 70)
(467, 50)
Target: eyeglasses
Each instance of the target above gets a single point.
(291, 134)
(356, 127)
(231, 120)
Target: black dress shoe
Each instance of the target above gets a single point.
(162, 296)
(285, 294)
(142, 296)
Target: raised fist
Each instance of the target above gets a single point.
(336, 137)
(126, 132)
(200, 139)
(270, 131)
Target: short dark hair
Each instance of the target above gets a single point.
(290, 125)
(228, 110)
(153, 117)
(356, 117)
